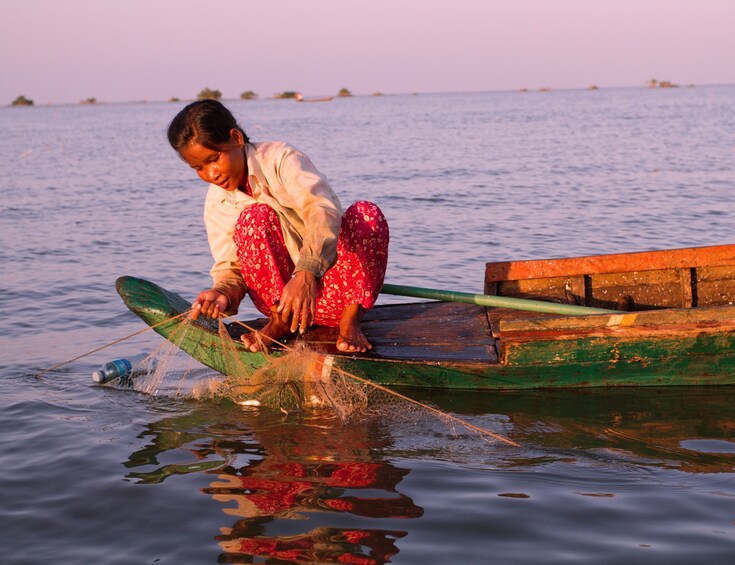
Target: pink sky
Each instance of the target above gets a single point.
(55, 51)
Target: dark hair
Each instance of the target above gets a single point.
(207, 122)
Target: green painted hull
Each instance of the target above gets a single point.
(663, 348)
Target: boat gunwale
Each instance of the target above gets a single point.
(636, 320)
(616, 359)
(637, 261)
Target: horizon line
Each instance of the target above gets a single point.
(377, 94)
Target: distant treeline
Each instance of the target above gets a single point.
(214, 94)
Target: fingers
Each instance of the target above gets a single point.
(305, 320)
(297, 313)
(210, 303)
(304, 317)
(207, 308)
(297, 307)
(284, 310)
(210, 310)
(307, 316)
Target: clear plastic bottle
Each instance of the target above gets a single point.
(123, 368)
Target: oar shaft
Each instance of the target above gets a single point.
(495, 301)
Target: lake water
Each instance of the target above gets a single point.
(96, 474)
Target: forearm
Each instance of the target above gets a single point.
(319, 250)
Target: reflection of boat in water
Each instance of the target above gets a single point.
(342, 477)
(660, 427)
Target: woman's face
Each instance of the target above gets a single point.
(224, 166)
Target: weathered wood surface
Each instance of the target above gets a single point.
(678, 317)
(434, 332)
(677, 278)
(498, 316)
(690, 257)
(649, 338)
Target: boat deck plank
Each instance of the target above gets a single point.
(426, 331)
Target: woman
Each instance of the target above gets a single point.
(277, 232)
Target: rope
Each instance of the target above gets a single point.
(477, 429)
(259, 335)
(109, 344)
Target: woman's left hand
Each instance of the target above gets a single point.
(298, 301)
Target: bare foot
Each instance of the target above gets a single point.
(275, 329)
(351, 339)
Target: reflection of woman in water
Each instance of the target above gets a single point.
(320, 545)
(301, 472)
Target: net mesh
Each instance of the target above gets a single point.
(295, 379)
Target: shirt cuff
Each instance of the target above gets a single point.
(234, 292)
(313, 265)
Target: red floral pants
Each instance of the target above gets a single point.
(356, 277)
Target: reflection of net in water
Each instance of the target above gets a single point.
(297, 379)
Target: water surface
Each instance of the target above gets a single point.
(611, 476)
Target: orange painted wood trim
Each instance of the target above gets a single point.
(690, 257)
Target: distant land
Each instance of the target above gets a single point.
(22, 100)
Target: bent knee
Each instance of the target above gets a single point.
(257, 215)
(366, 211)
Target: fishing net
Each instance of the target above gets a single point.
(294, 378)
(168, 372)
(298, 379)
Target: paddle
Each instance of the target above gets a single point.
(496, 301)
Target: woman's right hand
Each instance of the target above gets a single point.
(210, 303)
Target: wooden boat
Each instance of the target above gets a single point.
(670, 321)
(300, 98)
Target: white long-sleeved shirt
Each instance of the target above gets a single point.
(310, 213)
